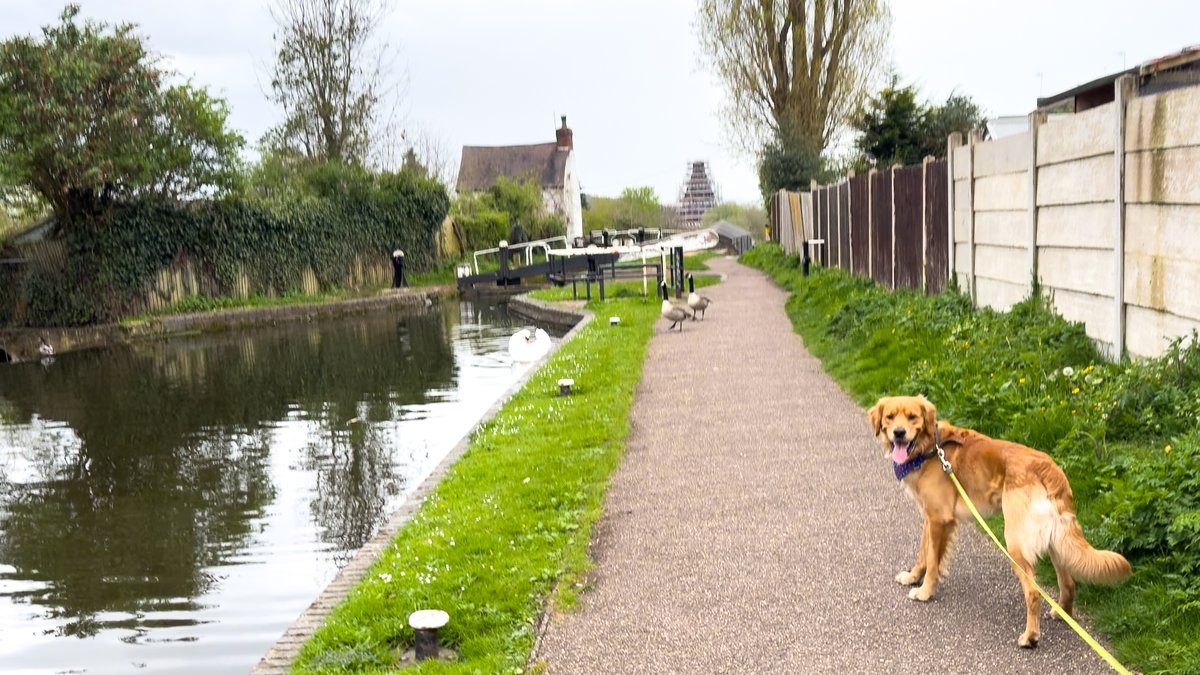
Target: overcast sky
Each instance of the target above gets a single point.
(627, 73)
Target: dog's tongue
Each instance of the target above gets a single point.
(899, 453)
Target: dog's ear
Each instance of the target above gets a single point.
(875, 414)
(930, 414)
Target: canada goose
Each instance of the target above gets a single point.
(44, 347)
(526, 346)
(698, 303)
(676, 315)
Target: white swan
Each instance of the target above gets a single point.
(44, 347)
(526, 346)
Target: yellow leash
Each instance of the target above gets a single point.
(1091, 641)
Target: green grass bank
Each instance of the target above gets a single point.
(509, 525)
(1127, 434)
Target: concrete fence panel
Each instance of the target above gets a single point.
(1071, 137)
(1006, 155)
(1162, 121)
(1080, 182)
(1077, 269)
(1093, 311)
(1002, 228)
(1076, 226)
(1006, 192)
(1167, 176)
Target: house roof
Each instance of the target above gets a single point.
(482, 165)
(728, 230)
(1159, 74)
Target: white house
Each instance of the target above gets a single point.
(551, 164)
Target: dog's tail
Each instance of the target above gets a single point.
(1084, 562)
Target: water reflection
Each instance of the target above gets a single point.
(169, 492)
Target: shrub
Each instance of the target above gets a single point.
(354, 215)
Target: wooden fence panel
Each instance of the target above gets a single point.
(881, 228)
(860, 226)
(910, 211)
(937, 247)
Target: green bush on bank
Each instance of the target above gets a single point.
(1128, 434)
(511, 210)
(112, 260)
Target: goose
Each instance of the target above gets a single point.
(44, 347)
(698, 303)
(526, 346)
(676, 315)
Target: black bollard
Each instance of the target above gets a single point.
(502, 276)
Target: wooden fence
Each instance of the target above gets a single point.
(889, 225)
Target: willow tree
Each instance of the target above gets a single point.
(793, 70)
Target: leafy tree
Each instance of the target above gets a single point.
(896, 128)
(789, 162)
(638, 207)
(329, 77)
(86, 120)
(511, 210)
(792, 69)
(959, 113)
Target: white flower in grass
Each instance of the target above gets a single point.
(1068, 371)
(387, 578)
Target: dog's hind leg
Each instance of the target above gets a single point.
(1033, 600)
(1066, 585)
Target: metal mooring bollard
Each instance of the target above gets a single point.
(564, 386)
(425, 623)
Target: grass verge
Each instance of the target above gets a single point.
(1127, 434)
(509, 523)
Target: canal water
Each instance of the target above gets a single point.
(173, 506)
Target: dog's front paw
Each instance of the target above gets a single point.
(1027, 640)
(920, 594)
(906, 578)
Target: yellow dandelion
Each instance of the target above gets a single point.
(1021, 381)
(1167, 449)
(1075, 391)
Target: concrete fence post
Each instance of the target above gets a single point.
(976, 138)
(1035, 122)
(1125, 87)
(952, 142)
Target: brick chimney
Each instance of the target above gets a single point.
(565, 138)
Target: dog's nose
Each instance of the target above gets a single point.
(899, 433)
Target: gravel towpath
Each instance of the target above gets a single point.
(754, 526)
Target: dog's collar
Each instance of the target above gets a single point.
(908, 467)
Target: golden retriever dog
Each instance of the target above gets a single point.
(1025, 484)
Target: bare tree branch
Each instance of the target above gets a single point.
(799, 65)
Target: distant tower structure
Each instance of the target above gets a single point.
(697, 195)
